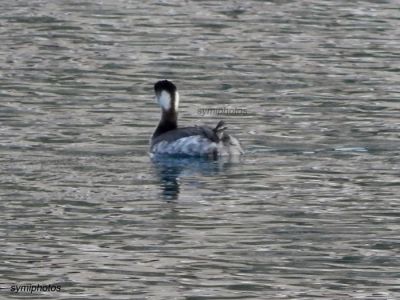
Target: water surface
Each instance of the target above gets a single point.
(312, 209)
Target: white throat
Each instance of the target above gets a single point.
(176, 101)
(164, 99)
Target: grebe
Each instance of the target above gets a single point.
(191, 141)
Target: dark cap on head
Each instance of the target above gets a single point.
(165, 85)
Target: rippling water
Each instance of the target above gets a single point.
(311, 211)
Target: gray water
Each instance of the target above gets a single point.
(310, 212)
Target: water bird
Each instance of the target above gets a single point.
(203, 141)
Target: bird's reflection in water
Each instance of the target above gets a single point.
(169, 170)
